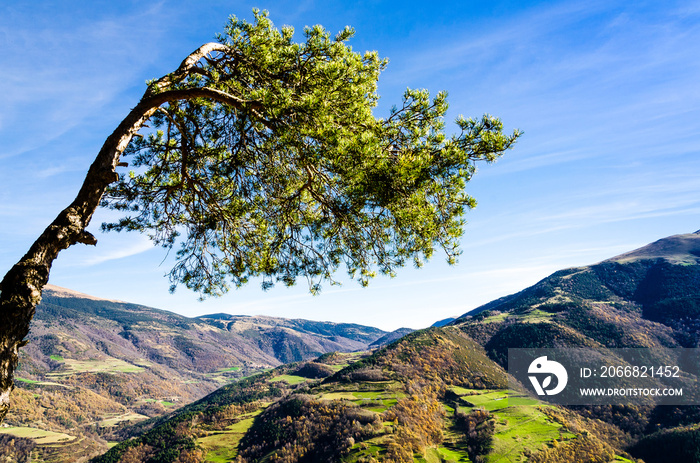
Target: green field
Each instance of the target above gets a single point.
(520, 425)
(165, 403)
(531, 316)
(41, 383)
(377, 396)
(222, 446)
(111, 365)
(39, 436)
(290, 379)
(448, 454)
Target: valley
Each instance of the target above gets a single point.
(437, 395)
(93, 367)
(392, 405)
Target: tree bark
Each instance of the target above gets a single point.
(22, 286)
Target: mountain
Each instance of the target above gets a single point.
(390, 337)
(444, 321)
(677, 249)
(92, 366)
(646, 298)
(432, 395)
(649, 297)
(440, 394)
(290, 340)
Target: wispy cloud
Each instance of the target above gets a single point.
(63, 69)
(107, 250)
(601, 77)
(53, 170)
(606, 92)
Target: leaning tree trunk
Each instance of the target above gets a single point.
(22, 286)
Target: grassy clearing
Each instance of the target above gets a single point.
(374, 448)
(28, 381)
(520, 426)
(223, 371)
(289, 379)
(111, 365)
(119, 419)
(461, 391)
(493, 400)
(164, 403)
(348, 358)
(532, 316)
(499, 317)
(41, 383)
(222, 446)
(449, 454)
(376, 401)
(355, 395)
(369, 394)
(381, 406)
(39, 436)
(337, 396)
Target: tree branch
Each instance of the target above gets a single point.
(187, 64)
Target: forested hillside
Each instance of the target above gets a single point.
(433, 395)
(92, 367)
(441, 395)
(648, 298)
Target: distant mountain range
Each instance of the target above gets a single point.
(438, 394)
(391, 337)
(202, 344)
(93, 365)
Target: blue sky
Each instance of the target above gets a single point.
(607, 93)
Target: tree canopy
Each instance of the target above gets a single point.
(263, 158)
(277, 166)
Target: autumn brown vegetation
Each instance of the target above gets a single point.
(418, 422)
(304, 429)
(15, 449)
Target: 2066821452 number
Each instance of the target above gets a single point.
(644, 371)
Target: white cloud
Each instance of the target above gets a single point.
(127, 245)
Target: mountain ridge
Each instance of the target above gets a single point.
(93, 365)
(680, 249)
(440, 394)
